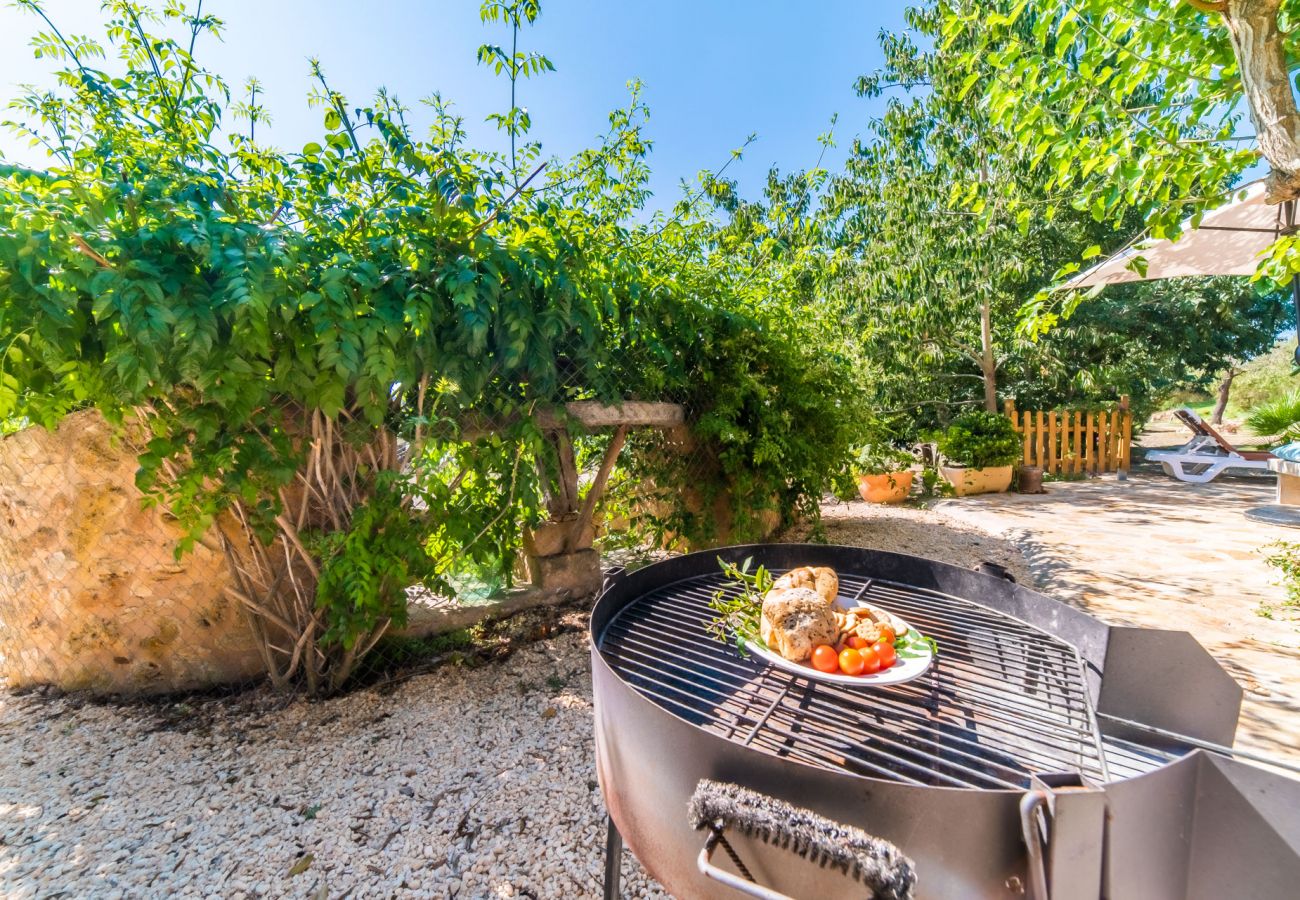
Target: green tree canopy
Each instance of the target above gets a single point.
(310, 339)
(1139, 107)
(952, 226)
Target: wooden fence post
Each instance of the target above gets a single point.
(1126, 438)
(1053, 443)
(1076, 465)
(1103, 441)
(1104, 427)
(1115, 439)
(1090, 446)
(1038, 438)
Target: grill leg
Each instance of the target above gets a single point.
(613, 862)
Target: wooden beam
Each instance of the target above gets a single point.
(589, 414)
(597, 487)
(592, 414)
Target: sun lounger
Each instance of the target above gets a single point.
(1206, 455)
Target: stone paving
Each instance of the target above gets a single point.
(1156, 552)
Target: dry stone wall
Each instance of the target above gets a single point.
(91, 594)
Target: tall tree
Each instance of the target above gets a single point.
(1265, 49)
(949, 229)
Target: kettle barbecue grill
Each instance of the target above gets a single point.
(1044, 752)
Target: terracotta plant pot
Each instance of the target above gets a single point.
(967, 481)
(889, 487)
(1029, 480)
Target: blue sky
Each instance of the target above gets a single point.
(714, 71)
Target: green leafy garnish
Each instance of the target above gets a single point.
(739, 616)
(914, 645)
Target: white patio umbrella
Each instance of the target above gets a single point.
(1228, 241)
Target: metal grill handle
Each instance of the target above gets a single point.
(744, 885)
(1031, 810)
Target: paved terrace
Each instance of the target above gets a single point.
(1157, 552)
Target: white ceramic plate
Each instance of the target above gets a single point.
(902, 671)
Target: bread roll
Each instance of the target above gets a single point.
(821, 579)
(795, 620)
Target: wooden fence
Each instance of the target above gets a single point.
(1075, 441)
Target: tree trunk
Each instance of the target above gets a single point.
(1225, 387)
(1259, 46)
(988, 365)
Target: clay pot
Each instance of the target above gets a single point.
(967, 481)
(888, 487)
(1029, 480)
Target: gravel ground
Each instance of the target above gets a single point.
(460, 783)
(919, 531)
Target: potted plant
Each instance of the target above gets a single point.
(883, 473)
(979, 448)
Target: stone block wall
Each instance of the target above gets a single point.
(91, 594)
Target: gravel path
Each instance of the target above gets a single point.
(919, 531)
(460, 783)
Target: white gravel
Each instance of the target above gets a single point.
(461, 783)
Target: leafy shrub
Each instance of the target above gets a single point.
(1280, 417)
(310, 337)
(979, 439)
(881, 459)
(933, 484)
(774, 408)
(1268, 377)
(1286, 559)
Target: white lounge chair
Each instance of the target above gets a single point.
(1206, 455)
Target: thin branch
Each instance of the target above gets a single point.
(88, 250)
(196, 23)
(490, 219)
(153, 62)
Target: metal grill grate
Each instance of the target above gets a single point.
(1003, 700)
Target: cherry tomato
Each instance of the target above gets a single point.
(885, 652)
(870, 660)
(857, 643)
(824, 658)
(851, 662)
(887, 635)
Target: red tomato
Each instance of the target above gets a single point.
(870, 660)
(857, 643)
(824, 658)
(887, 635)
(885, 652)
(851, 662)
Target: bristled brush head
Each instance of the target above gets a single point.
(876, 864)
